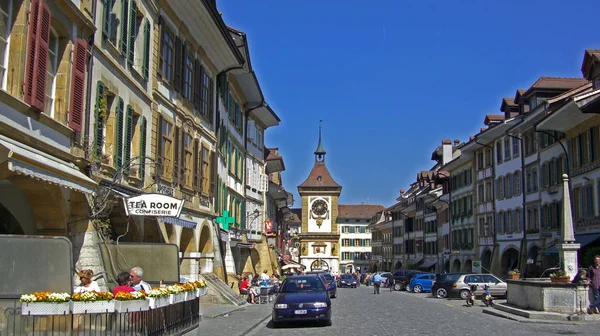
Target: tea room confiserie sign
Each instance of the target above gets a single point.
(153, 205)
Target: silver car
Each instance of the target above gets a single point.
(461, 286)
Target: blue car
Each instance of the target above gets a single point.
(302, 298)
(329, 282)
(421, 282)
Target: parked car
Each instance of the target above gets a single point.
(329, 282)
(302, 298)
(457, 285)
(421, 282)
(402, 278)
(442, 284)
(347, 280)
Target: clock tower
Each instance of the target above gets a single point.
(319, 240)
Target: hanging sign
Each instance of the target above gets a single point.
(153, 205)
(268, 226)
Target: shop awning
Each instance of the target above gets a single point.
(178, 221)
(26, 160)
(428, 264)
(582, 239)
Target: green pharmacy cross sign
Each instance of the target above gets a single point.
(225, 220)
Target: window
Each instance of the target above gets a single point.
(488, 157)
(51, 69)
(517, 183)
(480, 161)
(112, 17)
(515, 147)
(509, 185)
(259, 138)
(488, 191)
(206, 105)
(507, 148)
(517, 219)
(480, 193)
(166, 55)
(591, 145)
(166, 147)
(5, 25)
(188, 76)
(498, 152)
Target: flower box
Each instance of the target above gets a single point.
(190, 296)
(514, 276)
(158, 302)
(132, 305)
(201, 291)
(45, 308)
(92, 307)
(176, 298)
(561, 279)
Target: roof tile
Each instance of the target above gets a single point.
(319, 177)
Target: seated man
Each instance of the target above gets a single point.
(247, 290)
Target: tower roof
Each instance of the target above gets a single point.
(319, 177)
(320, 150)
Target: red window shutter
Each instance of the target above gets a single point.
(78, 84)
(38, 95)
(34, 11)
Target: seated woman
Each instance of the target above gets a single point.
(246, 289)
(87, 284)
(123, 284)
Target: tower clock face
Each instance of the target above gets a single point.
(319, 207)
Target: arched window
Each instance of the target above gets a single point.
(51, 69)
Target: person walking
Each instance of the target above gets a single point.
(376, 283)
(593, 274)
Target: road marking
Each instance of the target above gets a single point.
(449, 305)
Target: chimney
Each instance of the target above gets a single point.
(401, 192)
(471, 138)
(456, 142)
(446, 151)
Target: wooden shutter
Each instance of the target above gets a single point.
(98, 123)
(132, 32)
(211, 99)
(34, 13)
(176, 77)
(197, 85)
(176, 149)
(182, 67)
(159, 158)
(106, 18)
(35, 92)
(146, 63)
(142, 169)
(78, 84)
(123, 24)
(197, 155)
(128, 136)
(161, 25)
(118, 150)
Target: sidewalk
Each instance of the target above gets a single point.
(232, 320)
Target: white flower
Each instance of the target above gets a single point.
(137, 295)
(28, 298)
(59, 297)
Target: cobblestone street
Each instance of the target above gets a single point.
(358, 311)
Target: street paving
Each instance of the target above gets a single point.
(359, 311)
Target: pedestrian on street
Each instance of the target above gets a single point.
(376, 283)
(594, 278)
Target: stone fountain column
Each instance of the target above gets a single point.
(567, 249)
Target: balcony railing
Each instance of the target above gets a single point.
(173, 319)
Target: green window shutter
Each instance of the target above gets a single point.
(146, 63)
(100, 115)
(118, 150)
(132, 31)
(123, 24)
(142, 148)
(128, 136)
(230, 106)
(106, 18)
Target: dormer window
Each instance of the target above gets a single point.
(532, 103)
(320, 178)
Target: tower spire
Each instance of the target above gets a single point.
(320, 152)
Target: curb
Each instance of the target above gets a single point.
(520, 319)
(227, 312)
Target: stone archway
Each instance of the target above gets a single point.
(509, 260)
(16, 215)
(468, 266)
(206, 248)
(319, 265)
(456, 266)
(486, 261)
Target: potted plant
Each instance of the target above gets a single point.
(131, 302)
(560, 276)
(176, 293)
(92, 303)
(514, 274)
(158, 297)
(45, 303)
(201, 287)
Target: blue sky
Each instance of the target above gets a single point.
(391, 79)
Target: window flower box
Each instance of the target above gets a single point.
(176, 298)
(132, 305)
(561, 279)
(45, 308)
(92, 307)
(201, 291)
(158, 302)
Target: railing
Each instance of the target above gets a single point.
(173, 319)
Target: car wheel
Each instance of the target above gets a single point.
(441, 293)
(464, 294)
(276, 324)
(417, 289)
(398, 287)
(334, 296)
(327, 323)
